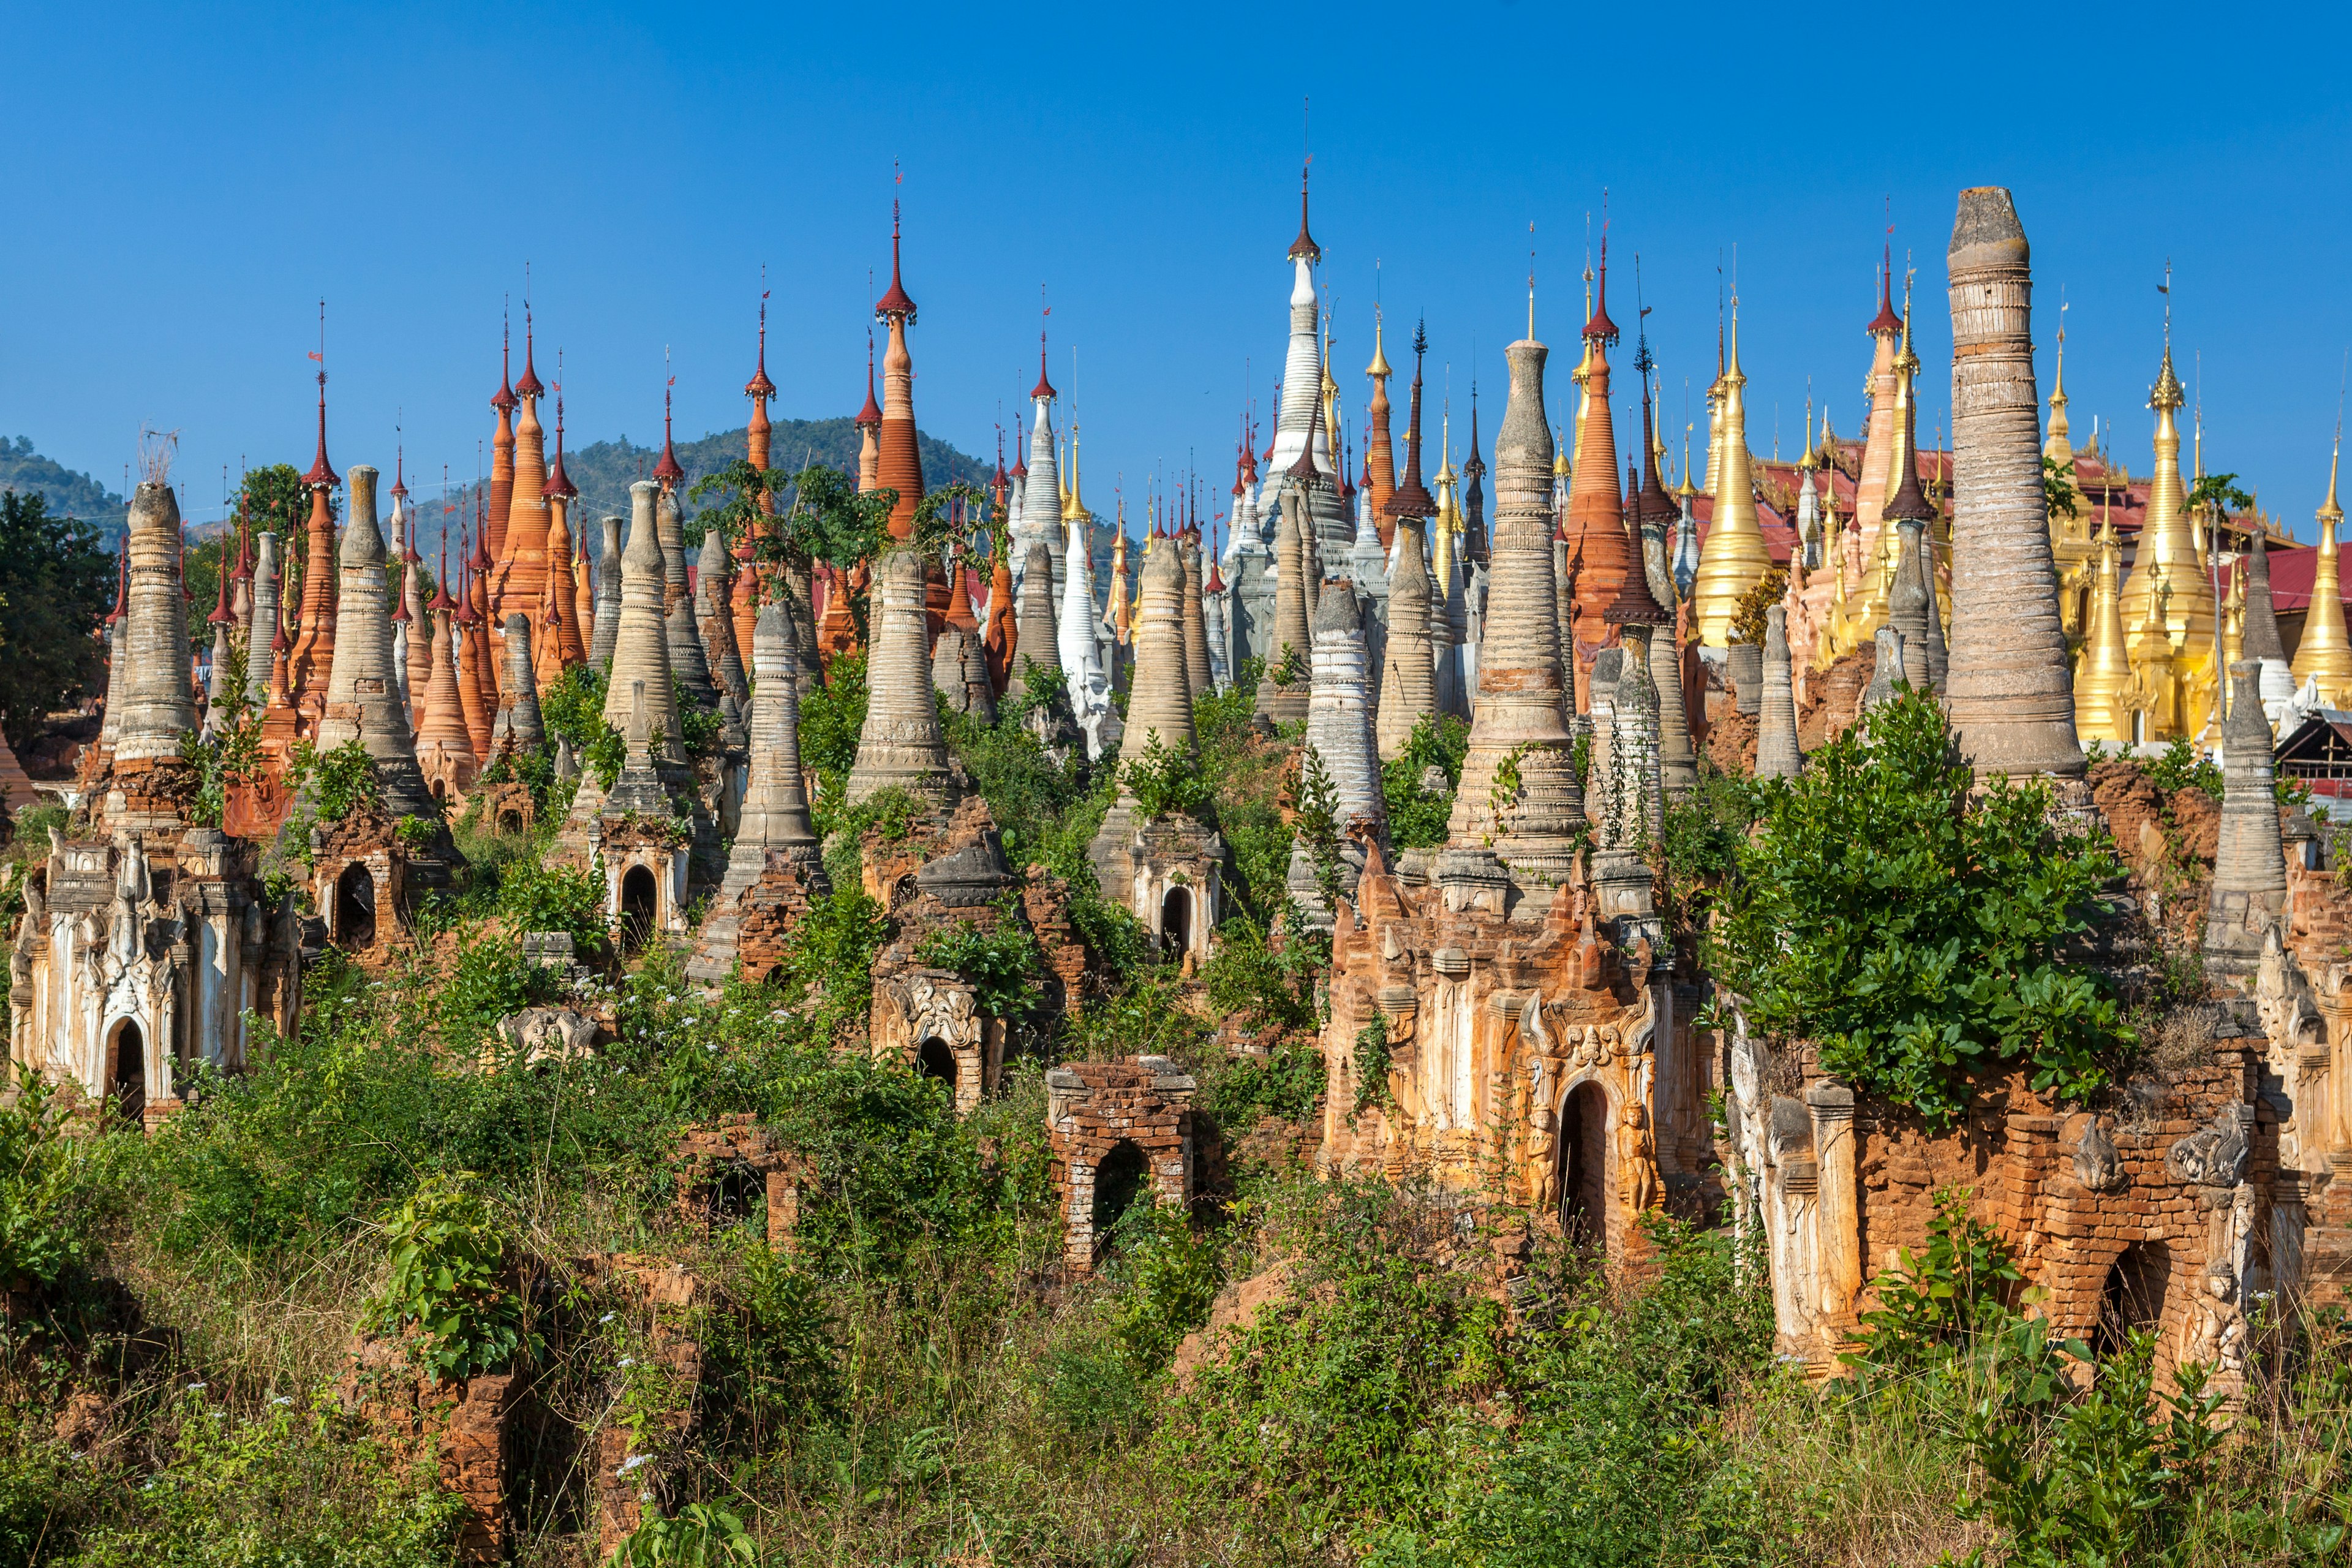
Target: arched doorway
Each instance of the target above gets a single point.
(1118, 1183)
(127, 1086)
(639, 901)
(2132, 1296)
(1176, 922)
(937, 1059)
(1584, 1165)
(355, 906)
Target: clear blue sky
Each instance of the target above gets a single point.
(185, 183)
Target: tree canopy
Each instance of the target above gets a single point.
(55, 584)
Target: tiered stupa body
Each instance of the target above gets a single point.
(2008, 689)
(362, 701)
(1733, 558)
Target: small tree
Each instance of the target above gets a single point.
(1913, 929)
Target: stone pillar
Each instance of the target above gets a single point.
(1886, 665)
(1339, 734)
(901, 744)
(716, 614)
(2263, 642)
(1837, 1219)
(1198, 675)
(1161, 700)
(264, 631)
(148, 693)
(1637, 790)
(1910, 603)
(525, 727)
(2011, 690)
(1776, 731)
(608, 596)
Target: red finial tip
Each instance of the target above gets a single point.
(897, 302)
(1043, 391)
(1887, 320)
(667, 471)
(503, 400)
(528, 386)
(323, 475)
(872, 413)
(1601, 328)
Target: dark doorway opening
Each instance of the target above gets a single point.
(356, 906)
(2132, 1297)
(639, 900)
(1584, 1165)
(1176, 922)
(130, 1084)
(935, 1059)
(1118, 1183)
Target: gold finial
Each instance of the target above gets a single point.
(2328, 511)
(2164, 395)
(1379, 368)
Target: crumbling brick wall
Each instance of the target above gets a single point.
(465, 1425)
(1092, 1109)
(1834, 698)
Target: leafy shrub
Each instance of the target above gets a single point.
(1002, 963)
(1942, 1298)
(290, 1486)
(829, 956)
(1418, 816)
(701, 1535)
(340, 781)
(2182, 765)
(1913, 930)
(1167, 1277)
(1221, 719)
(534, 895)
(1286, 1084)
(448, 1282)
(1747, 614)
(832, 717)
(1165, 780)
(45, 1219)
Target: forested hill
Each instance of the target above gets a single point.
(604, 469)
(71, 494)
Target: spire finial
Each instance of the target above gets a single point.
(323, 475)
(897, 302)
(1304, 248)
(759, 389)
(668, 470)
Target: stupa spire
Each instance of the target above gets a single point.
(900, 464)
(1733, 557)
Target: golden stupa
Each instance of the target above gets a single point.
(1734, 558)
(2166, 598)
(2107, 692)
(2324, 655)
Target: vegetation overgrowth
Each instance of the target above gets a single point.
(916, 1380)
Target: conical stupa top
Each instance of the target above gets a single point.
(400, 473)
(1304, 248)
(400, 606)
(895, 302)
(2057, 447)
(1600, 328)
(558, 482)
(1379, 368)
(1411, 497)
(1635, 605)
(1887, 320)
(323, 475)
(442, 603)
(2323, 651)
(872, 413)
(503, 400)
(1909, 502)
(2261, 636)
(667, 471)
(528, 386)
(759, 389)
(243, 546)
(1043, 391)
(221, 615)
(1302, 468)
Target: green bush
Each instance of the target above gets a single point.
(1417, 816)
(1914, 930)
(1165, 780)
(448, 1284)
(1003, 962)
(45, 1202)
(2182, 765)
(832, 717)
(829, 956)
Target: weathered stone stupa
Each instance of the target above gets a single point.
(2011, 691)
(775, 866)
(2250, 883)
(526, 729)
(1409, 682)
(1520, 726)
(608, 595)
(901, 746)
(1282, 688)
(362, 696)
